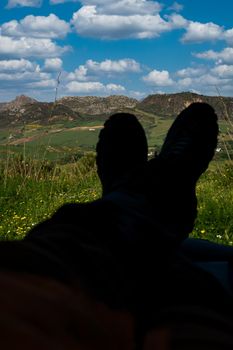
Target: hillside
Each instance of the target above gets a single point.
(24, 110)
(17, 103)
(3, 105)
(71, 126)
(93, 105)
(169, 105)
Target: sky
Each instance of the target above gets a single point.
(109, 47)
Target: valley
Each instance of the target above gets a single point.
(69, 128)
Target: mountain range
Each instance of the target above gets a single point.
(70, 126)
(25, 110)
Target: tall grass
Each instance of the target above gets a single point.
(30, 190)
(215, 204)
(215, 190)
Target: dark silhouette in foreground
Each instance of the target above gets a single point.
(124, 250)
(125, 246)
(187, 150)
(121, 152)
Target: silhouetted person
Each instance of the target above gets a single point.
(97, 240)
(147, 208)
(115, 244)
(167, 181)
(123, 248)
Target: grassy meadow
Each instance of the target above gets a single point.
(215, 204)
(32, 190)
(43, 167)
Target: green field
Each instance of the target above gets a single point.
(59, 140)
(62, 140)
(31, 191)
(45, 166)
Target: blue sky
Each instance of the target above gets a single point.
(108, 47)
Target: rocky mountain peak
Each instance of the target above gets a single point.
(94, 105)
(20, 101)
(24, 109)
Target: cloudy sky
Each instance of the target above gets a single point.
(106, 47)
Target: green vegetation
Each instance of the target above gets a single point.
(215, 203)
(43, 166)
(31, 190)
(53, 142)
(63, 139)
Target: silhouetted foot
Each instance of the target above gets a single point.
(187, 150)
(121, 152)
(191, 141)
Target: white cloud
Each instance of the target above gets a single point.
(203, 79)
(205, 83)
(190, 72)
(110, 66)
(223, 71)
(176, 7)
(199, 32)
(91, 69)
(56, 2)
(209, 79)
(23, 77)
(37, 27)
(36, 75)
(225, 90)
(185, 82)
(52, 64)
(158, 78)
(9, 66)
(44, 84)
(115, 88)
(208, 55)
(24, 3)
(177, 21)
(140, 19)
(224, 56)
(228, 36)
(79, 74)
(137, 94)
(121, 7)
(84, 87)
(93, 87)
(124, 7)
(93, 21)
(29, 47)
